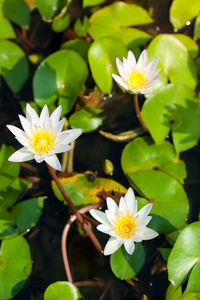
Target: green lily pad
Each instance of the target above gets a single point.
(61, 75)
(115, 20)
(102, 59)
(197, 28)
(6, 30)
(167, 196)
(181, 12)
(92, 2)
(15, 266)
(81, 27)
(176, 294)
(79, 46)
(143, 154)
(183, 261)
(62, 290)
(49, 9)
(175, 60)
(176, 108)
(8, 170)
(125, 266)
(165, 252)
(189, 43)
(86, 189)
(61, 23)
(13, 65)
(17, 11)
(87, 119)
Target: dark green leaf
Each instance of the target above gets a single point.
(125, 266)
(61, 75)
(17, 11)
(80, 46)
(62, 290)
(15, 266)
(60, 23)
(165, 252)
(50, 8)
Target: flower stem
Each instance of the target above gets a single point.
(137, 110)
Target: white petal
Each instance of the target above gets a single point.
(59, 126)
(53, 161)
(44, 117)
(112, 245)
(127, 67)
(112, 205)
(130, 201)
(31, 114)
(120, 81)
(110, 216)
(68, 136)
(152, 66)
(104, 228)
(26, 125)
(123, 209)
(148, 234)
(129, 245)
(39, 158)
(19, 135)
(120, 67)
(55, 117)
(131, 60)
(143, 212)
(99, 216)
(21, 155)
(60, 148)
(142, 222)
(142, 61)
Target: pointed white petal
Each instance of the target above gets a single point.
(26, 125)
(44, 117)
(53, 161)
(112, 205)
(129, 245)
(39, 158)
(55, 116)
(120, 67)
(120, 81)
(143, 212)
(68, 136)
(110, 216)
(104, 228)
(60, 148)
(99, 216)
(130, 201)
(19, 135)
(123, 209)
(112, 245)
(59, 126)
(148, 234)
(142, 61)
(31, 115)
(142, 222)
(131, 60)
(21, 155)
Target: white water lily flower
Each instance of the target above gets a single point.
(137, 77)
(42, 137)
(124, 224)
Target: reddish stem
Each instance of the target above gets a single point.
(138, 114)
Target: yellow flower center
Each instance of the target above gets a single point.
(125, 226)
(42, 142)
(136, 80)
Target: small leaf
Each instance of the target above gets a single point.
(79, 46)
(86, 189)
(173, 293)
(165, 252)
(81, 27)
(13, 65)
(62, 290)
(175, 60)
(181, 12)
(92, 2)
(115, 20)
(102, 59)
(61, 23)
(8, 170)
(172, 107)
(61, 75)
(184, 258)
(6, 30)
(15, 266)
(125, 266)
(17, 12)
(87, 119)
(197, 28)
(49, 9)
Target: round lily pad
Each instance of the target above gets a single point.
(102, 59)
(92, 2)
(125, 266)
(80, 46)
(61, 75)
(62, 290)
(15, 266)
(6, 30)
(174, 107)
(176, 294)
(17, 11)
(184, 258)
(49, 9)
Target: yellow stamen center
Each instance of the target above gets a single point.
(125, 226)
(136, 80)
(42, 141)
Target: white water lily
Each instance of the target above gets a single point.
(42, 137)
(124, 224)
(137, 77)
